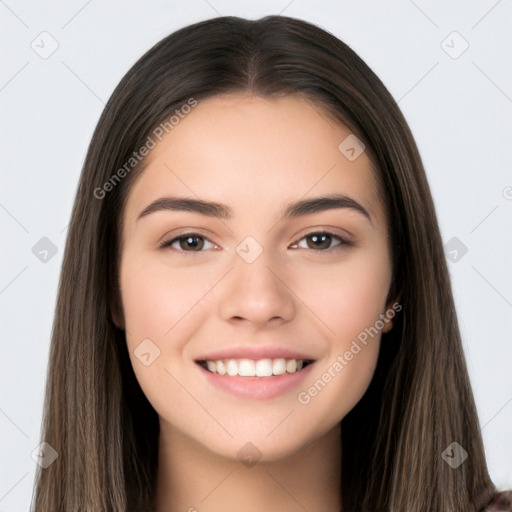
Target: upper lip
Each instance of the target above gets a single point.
(254, 352)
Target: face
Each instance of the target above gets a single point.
(223, 304)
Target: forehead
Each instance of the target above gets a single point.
(254, 154)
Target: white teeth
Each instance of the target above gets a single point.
(246, 368)
(291, 365)
(255, 368)
(221, 369)
(264, 368)
(279, 366)
(232, 367)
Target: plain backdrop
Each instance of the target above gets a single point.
(446, 63)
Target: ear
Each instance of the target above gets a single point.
(392, 309)
(116, 313)
(388, 323)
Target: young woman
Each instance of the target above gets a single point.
(254, 308)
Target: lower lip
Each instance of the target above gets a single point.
(257, 387)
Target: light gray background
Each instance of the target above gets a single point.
(459, 110)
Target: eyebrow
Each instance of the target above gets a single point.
(221, 211)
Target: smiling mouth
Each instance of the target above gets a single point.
(255, 368)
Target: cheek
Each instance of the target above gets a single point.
(155, 298)
(349, 303)
(170, 305)
(161, 305)
(348, 297)
(338, 384)
(342, 377)
(360, 300)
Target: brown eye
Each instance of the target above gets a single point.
(195, 243)
(188, 242)
(321, 241)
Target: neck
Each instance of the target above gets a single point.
(192, 478)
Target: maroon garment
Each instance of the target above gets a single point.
(501, 502)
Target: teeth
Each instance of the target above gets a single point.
(291, 366)
(264, 368)
(252, 368)
(279, 366)
(232, 367)
(245, 368)
(221, 367)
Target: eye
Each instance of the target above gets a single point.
(321, 241)
(186, 241)
(194, 242)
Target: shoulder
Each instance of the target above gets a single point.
(500, 502)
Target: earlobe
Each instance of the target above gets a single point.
(388, 325)
(392, 310)
(116, 315)
(117, 322)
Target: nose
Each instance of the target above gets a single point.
(257, 294)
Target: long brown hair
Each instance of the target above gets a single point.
(419, 401)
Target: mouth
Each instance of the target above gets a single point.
(256, 378)
(255, 368)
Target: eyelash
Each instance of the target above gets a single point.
(342, 242)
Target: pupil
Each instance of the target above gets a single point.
(190, 241)
(321, 238)
(317, 239)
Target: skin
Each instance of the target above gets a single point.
(255, 155)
